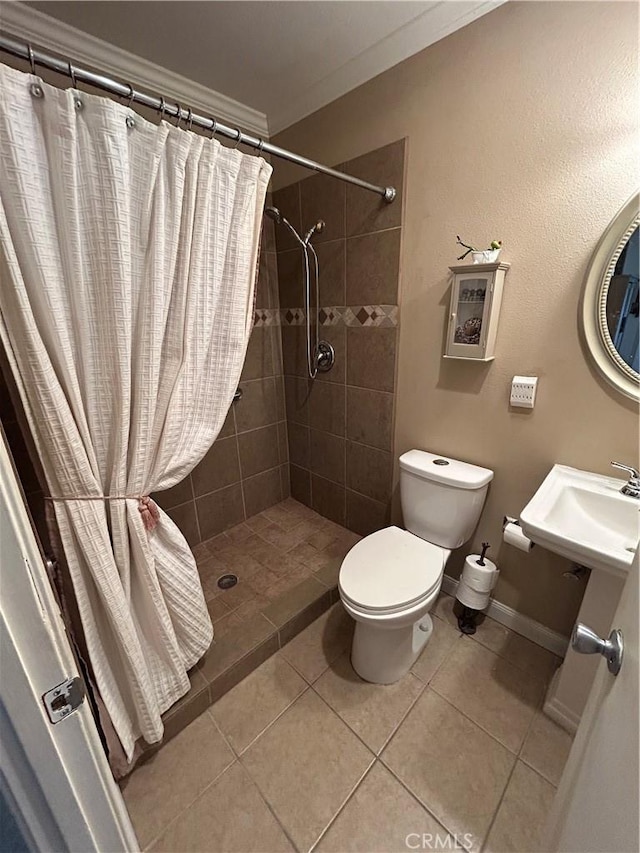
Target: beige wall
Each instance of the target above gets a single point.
(522, 126)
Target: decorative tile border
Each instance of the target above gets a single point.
(266, 317)
(334, 315)
(291, 317)
(371, 315)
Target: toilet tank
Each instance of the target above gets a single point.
(442, 498)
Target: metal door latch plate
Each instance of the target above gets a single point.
(60, 701)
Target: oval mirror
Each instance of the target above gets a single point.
(610, 315)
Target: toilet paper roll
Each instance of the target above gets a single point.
(477, 577)
(470, 598)
(514, 535)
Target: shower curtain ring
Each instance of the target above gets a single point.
(214, 127)
(179, 114)
(131, 94)
(72, 74)
(239, 139)
(32, 60)
(260, 145)
(189, 118)
(162, 108)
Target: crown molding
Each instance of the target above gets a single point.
(434, 24)
(51, 34)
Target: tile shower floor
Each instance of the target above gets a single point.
(304, 755)
(269, 553)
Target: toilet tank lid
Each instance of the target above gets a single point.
(442, 469)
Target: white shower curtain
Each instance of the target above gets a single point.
(127, 261)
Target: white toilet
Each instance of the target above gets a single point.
(390, 579)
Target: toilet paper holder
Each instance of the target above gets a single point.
(507, 520)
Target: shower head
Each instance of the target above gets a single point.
(273, 213)
(279, 219)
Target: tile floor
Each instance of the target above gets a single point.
(287, 559)
(304, 755)
(269, 553)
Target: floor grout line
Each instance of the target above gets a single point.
(497, 809)
(344, 723)
(415, 796)
(502, 796)
(269, 724)
(404, 716)
(194, 800)
(253, 781)
(528, 670)
(524, 761)
(269, 806)
(299, 671)
(377, 755)
(344, 804)
(479, 725)
(378, 752)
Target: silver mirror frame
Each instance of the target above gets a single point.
(594, 301)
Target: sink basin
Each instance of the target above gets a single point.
(584, 517)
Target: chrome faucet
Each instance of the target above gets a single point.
(632, 488)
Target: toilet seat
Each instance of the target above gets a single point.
(390, 571)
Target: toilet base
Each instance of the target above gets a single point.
(383, 656)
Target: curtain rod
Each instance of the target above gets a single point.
(36, 57)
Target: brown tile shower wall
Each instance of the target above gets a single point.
(246, 469)
(340, 427)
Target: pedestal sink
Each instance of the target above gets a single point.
(584, 517)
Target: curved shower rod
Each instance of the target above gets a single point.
(23, 50)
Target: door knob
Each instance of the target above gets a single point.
(587, 642)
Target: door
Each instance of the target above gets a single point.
(596, 807)
(56, 788)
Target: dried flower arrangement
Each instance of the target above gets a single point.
(494, 247)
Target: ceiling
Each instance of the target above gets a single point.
(284, 59)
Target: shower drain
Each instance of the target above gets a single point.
(227, 581)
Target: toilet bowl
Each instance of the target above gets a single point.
(390, 579)
(388, 583)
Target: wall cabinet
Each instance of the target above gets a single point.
(476, 296)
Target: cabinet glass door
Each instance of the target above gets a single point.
(469, 311)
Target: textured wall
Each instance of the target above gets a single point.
(521, 126)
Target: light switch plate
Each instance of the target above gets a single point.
(523, 391)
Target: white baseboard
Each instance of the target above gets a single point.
(557, 710)
(518, 622)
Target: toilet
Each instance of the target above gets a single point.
(391, 578)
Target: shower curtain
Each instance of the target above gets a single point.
(127, 263)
